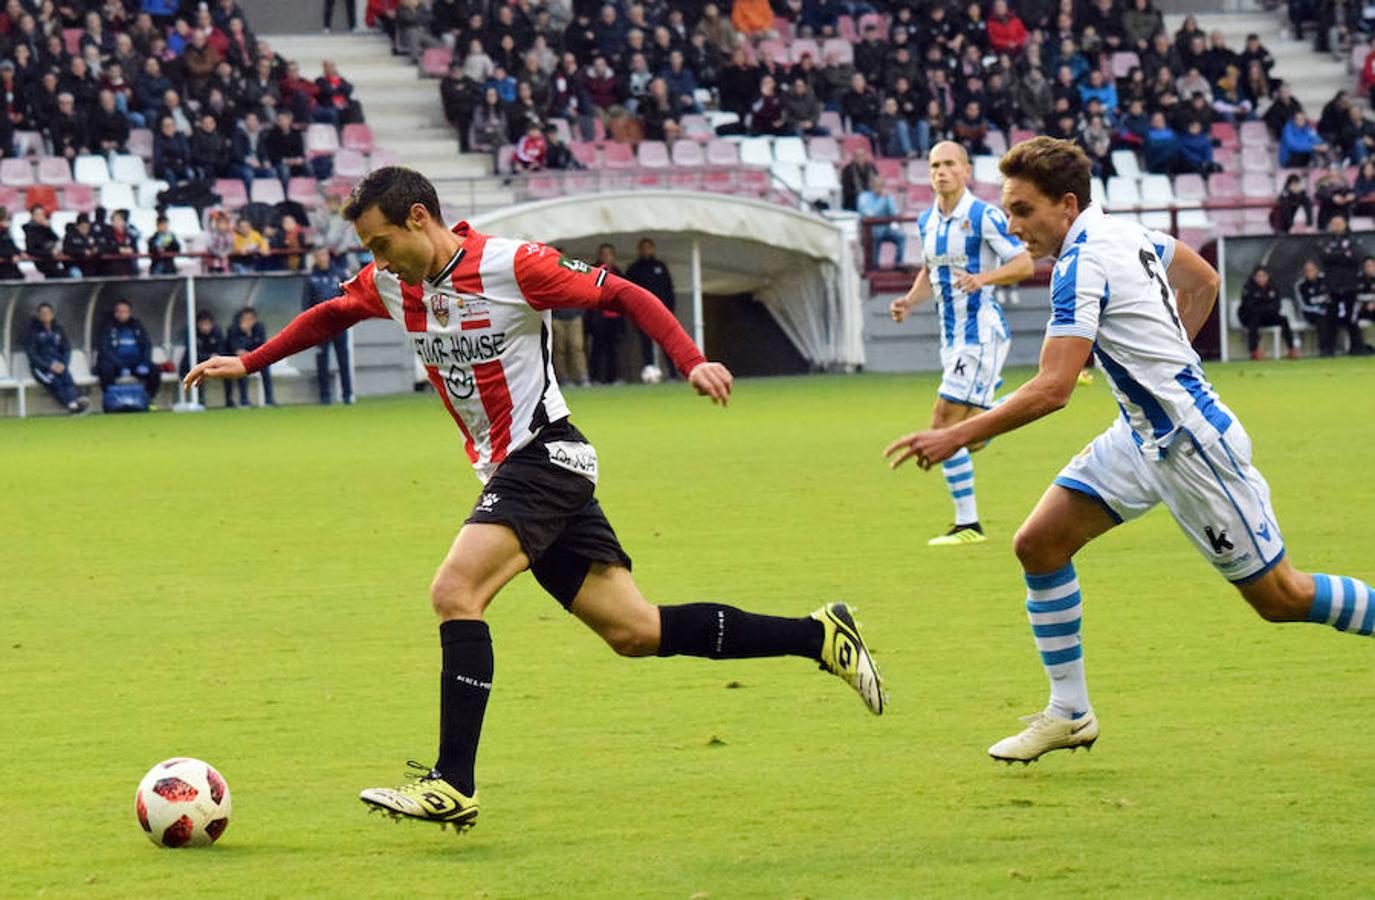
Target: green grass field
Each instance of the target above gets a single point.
(251, 588)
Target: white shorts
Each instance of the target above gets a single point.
(974, 372)
(1218, 498)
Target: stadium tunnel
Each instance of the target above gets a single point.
(799, 267)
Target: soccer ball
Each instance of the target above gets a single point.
(651, 374)
(182, 802)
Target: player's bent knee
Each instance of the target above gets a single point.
(628, 640)
(1036, 550)
(454, 597)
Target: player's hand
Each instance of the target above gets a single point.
(900, 307)
(971, 283)
(711, 380)
(215, 367)
(928, 448)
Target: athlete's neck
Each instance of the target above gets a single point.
(948, 202)
(445, 244)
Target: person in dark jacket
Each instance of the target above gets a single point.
(245, 335)
(9, 250)
(1365, 292)
(124, 349)
(119, 241)
(1260, 308)
(41, 243)
(284, 149)
(1286, 209)
(1314, 302)
(81, 249)
(50, 357)
(172, 153)
(164, 247)
(209, 342)
(1341, 264)
(650, 273)
(605, 327)
(322, 285)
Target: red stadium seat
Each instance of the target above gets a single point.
(842, 50)
(141, 143)
(71, 39)
(723, 153)
(1123, 62)
(687, 153)
(823, 149)
(1226, 134)
(848, 32)
(653, 154)
(805, 47)
(685, 180)
(919, 172)
(382, 157)
(718, 181)
(321, 140)
(9, 197)
(434, 63)
(616, 155)
(17, 173)
(1257, 185)
(1190, 187)
(232, 193)
(1254, 134)
(54, 170)
(585, 152)
(267, 190)
(357, 136)
(44, 195)
(1223, 186)
(80, 197)
(919, 196)
(853, 142)
(876, 20)
(890, 169)
(1257, 159)
(305, 191)
(349, 163)
(543, 187)
(1021, 134)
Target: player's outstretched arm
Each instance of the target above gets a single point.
(1016, 270)
(215, 367)
(1195, 286)
(918, 293)
(1062, 358)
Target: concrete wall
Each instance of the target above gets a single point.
(304, 17)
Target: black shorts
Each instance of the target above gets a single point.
(552, 510)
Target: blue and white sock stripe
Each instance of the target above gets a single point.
(1055, 608)
(959, 474)
(1344, 603)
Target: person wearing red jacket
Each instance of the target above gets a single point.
(477, 310)
(1006, 33)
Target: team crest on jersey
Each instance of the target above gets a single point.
(439, 305)
(967, 225)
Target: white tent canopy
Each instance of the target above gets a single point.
(800, 266)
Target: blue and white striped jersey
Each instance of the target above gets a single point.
(973, 238)
(1109, 286)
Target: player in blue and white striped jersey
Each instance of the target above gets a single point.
(966, 251)
(1136, 300)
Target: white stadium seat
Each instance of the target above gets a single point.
(789, 175)
(128, 169)
(1123, 192)
(117, 195)
(183, 222)
(1124, 161)
(820, 181)
(91, 170)
(790, 150)
(986, 170)
(755, 151)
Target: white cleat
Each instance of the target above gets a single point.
(1046, 732)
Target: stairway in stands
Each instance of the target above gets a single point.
(1313, 77)
(403, 111)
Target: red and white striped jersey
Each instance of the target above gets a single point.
(481, 329)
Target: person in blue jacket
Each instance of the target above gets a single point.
(124, 349)
(322, 285)
(50, 358)
(1300, 145)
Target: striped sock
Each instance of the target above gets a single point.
(1055, 609)
(959, 478)
(1344, 603)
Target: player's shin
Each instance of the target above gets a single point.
(464, 687)
(716, 631)
(959, 478)
(1347, 604)
(1055, 608)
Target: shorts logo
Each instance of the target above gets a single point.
(959, 367)
(1218, 539)
(439, 305)
(1263, 532)
(488, 501)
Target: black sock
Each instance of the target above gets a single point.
(463, 688)
(724, 632)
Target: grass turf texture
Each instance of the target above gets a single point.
(251, 588)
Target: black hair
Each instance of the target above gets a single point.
(393, 190)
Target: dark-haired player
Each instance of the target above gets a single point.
(477, 310)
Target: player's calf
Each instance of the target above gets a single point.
(1283, 594)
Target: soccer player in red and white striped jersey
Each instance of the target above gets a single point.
(477, 311)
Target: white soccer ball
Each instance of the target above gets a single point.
(182, 802)
(651, 374)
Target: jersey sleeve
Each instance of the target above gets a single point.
(996, 235)
(1078, 287)
(1164, 246)
(549, 280)
(322, 322)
